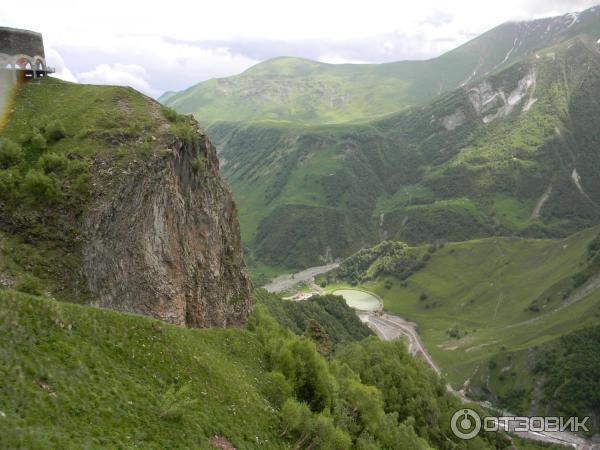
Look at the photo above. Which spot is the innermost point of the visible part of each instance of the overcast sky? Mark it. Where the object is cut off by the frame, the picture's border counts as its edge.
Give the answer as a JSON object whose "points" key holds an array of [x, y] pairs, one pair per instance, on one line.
{"points": [[171, 45]]}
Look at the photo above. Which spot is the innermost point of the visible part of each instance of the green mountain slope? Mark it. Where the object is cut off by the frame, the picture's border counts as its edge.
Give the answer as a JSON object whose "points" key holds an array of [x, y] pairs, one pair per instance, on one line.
{"points": [[76, 376], [340, 324], [299, 90], [118, 201], [497, 314], [514, 154]]}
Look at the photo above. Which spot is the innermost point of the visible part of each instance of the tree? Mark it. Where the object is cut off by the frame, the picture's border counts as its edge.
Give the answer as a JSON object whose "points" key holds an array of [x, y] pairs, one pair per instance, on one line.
{"points": [[316, 333], [40, 188], [38, 141]]}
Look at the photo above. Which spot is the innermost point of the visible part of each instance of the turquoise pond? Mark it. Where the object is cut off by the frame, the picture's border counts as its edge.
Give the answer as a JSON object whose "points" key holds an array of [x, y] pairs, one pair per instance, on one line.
{"points": [[360, 300]]}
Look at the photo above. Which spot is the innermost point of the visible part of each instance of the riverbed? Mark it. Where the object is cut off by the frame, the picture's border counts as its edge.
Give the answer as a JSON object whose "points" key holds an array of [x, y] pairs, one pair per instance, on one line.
{"points": [[285, 282]]}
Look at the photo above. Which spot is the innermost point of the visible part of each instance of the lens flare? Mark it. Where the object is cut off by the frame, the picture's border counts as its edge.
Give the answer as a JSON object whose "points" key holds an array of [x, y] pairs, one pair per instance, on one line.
{"points": [[10, 80], [22, 58]]}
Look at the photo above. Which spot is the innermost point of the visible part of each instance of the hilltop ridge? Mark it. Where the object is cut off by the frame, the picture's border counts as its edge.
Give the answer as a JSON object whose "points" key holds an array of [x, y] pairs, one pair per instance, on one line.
{"points": [[311, 92], [117, 202]]}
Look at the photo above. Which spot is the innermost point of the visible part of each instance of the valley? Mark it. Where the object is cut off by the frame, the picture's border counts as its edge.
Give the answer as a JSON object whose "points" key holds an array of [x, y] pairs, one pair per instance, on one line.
{"points": [[490, 183], [491, 312], [311, 194], [389, 327], [305, 255]]}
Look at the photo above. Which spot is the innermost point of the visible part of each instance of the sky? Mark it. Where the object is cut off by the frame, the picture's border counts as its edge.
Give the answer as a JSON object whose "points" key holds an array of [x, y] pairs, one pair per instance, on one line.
{"points": [[171, 45]]}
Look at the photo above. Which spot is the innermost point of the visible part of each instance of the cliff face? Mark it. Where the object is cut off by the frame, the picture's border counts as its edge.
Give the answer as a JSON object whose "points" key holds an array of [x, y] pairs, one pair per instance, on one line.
{"points": [[167, 243], [156, 231]]}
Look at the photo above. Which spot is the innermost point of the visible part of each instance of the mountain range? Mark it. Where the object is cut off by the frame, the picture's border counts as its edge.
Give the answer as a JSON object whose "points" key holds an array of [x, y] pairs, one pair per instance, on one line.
{"points": [[500, 140], [127, 316], [311, 92]]}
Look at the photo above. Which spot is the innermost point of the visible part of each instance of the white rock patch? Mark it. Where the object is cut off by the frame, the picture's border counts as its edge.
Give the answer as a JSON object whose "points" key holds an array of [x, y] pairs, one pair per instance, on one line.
{"points": [[577, 180], [454, 120], [484, 98], [540, 204], [529, 104]]}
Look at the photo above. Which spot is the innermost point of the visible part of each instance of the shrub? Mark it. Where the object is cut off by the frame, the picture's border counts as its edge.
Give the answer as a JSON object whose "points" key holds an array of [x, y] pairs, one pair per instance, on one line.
{"points": [[11, 153], [169, 113], [53, 163], [277, 390], [9, 183], [29, 285], [81, 185], [40, 187], [38, 141], [55, 131], [184, 132], [174, 403], [199, 164]]}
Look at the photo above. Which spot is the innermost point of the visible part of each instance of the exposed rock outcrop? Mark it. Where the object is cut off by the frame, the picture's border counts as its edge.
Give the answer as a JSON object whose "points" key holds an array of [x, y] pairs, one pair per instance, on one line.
{"points": [[165, 240], [494, 103]]}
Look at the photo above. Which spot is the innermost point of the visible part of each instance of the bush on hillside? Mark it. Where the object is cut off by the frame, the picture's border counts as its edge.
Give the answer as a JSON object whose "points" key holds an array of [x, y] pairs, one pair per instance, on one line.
{"points": [[387, 258], [54, 131], [11, 153], [37, 141], [169, 113], [40, 188], [337, 320], [9, 184], [53, 163]]}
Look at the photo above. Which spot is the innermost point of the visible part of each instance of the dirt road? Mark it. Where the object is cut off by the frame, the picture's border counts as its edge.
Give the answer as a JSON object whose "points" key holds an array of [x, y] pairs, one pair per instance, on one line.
{"points": [[285, 282], [389, 327]]}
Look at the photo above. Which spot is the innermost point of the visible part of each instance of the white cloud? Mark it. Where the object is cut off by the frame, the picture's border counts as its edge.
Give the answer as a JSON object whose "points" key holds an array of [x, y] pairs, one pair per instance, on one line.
{"points": [[55, 61], [336, 59], [131, 75], [180, 42]]}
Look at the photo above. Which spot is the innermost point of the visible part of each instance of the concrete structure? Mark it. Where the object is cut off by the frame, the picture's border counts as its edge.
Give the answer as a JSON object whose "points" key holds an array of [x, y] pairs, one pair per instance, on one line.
{"points": [[23, 51]]}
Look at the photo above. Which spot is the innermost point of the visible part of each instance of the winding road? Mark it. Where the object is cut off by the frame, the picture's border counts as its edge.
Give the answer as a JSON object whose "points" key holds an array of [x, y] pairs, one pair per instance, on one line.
{"points": [[389, 327], [285, 282]]}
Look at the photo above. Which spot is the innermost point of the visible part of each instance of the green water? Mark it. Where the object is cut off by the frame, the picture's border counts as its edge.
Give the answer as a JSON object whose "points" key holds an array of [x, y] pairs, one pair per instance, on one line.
{"points": [[359, 299]]}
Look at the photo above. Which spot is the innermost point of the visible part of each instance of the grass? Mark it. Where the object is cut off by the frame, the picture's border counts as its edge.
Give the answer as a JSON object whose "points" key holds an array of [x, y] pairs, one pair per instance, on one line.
{"points": [[59, 154], [107, 109], [406, 196], [76, 377], [483, 288], [81, 377], [512, 212], [431, 184], [303, 91]]}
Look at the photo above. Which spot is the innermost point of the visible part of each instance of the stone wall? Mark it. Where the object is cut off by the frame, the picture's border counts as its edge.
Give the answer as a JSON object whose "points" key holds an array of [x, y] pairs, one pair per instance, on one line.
{"points": [[21, 42]]}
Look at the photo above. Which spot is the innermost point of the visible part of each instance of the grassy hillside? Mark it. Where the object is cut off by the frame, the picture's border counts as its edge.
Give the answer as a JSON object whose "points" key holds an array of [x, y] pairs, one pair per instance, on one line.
{"points": [[484, 303], [76, 376], [512, 155], [299, 90], [49, 147], [83, 377], [339, 323]]}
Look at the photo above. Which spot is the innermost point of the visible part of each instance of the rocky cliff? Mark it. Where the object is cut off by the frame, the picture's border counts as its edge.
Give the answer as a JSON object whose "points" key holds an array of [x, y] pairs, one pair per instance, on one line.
{"points": [[167, 242], [156, 230]]}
